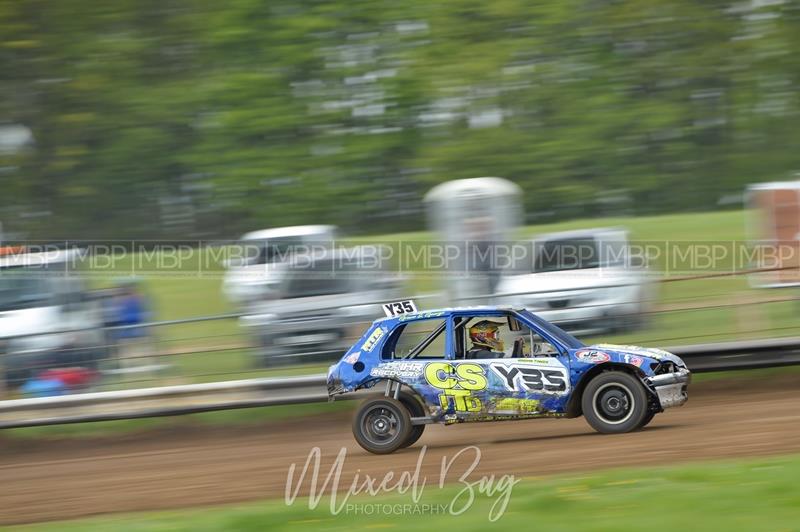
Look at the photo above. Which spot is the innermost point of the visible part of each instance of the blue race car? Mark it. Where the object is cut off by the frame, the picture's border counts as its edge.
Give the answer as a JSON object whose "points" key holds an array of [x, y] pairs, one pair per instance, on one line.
{"points": [[496, 363]]}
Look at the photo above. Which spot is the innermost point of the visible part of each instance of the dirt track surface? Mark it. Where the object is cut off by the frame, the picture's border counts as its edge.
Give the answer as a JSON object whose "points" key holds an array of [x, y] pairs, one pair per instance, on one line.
{"points": [[185, 466]]}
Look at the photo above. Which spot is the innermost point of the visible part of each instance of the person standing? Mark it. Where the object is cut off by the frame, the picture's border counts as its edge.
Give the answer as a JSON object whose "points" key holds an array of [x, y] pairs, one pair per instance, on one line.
{"points": [[131, 311]]}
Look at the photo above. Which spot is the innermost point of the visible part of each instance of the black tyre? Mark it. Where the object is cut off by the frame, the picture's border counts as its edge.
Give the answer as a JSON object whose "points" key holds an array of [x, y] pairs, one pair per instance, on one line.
{"points": [[647, 419], [381, 426], [415, 410], [614, 402]]}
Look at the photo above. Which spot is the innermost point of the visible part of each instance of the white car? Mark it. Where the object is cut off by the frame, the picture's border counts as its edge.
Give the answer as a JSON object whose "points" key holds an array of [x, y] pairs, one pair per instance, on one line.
{"points": [[258, 263], [44, 309], [585, 281]]}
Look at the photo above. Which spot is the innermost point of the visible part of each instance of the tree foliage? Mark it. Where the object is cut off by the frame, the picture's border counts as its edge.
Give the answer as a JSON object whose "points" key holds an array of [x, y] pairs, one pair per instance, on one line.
{"points": [[182, 118]]}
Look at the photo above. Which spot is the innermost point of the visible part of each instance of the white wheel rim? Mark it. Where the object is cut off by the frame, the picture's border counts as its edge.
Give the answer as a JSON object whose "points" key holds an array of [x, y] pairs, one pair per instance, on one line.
{"points": [[625, 390]]}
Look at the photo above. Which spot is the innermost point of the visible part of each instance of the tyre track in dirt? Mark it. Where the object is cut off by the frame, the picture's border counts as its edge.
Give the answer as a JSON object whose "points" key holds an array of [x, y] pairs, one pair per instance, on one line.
{"points": [[190, 465]]}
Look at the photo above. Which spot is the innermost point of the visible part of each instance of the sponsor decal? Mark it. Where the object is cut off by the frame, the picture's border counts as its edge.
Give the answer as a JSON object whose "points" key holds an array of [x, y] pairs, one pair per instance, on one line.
{"points": [[457, 382], [516, 406], [352, 358], [540, 361], [633, 359], [374, 338], [651, 352], [523, 415], [523, 377], [592, 356], [421, 315], [399, 370]]}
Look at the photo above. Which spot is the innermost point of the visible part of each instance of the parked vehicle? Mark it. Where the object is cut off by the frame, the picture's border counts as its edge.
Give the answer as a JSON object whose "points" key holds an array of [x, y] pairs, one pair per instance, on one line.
{"points": [[47, 317], [321, 305], [585, 281], [257, 270], [495, 363]]}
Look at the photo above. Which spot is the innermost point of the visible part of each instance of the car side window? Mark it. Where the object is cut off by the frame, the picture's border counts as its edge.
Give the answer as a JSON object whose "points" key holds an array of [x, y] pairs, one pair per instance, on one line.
{"points": [[539, 346], [482, 337], [418, 339], [517, 341]]}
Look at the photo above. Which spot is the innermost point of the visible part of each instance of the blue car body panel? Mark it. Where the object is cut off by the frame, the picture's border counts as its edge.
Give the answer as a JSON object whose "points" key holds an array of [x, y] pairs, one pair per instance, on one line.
{"points": [[487, 389]]}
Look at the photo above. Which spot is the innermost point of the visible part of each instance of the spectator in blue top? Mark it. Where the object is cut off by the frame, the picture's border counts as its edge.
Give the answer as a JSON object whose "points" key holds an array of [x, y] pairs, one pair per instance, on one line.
{"points": [[131, 310]]}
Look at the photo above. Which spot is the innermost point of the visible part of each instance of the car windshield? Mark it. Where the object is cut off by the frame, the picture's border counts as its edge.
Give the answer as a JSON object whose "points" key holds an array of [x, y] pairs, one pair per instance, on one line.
{"points": [[277, 249], [566, 254], [20, 292], [321, 278], [556, 332]]}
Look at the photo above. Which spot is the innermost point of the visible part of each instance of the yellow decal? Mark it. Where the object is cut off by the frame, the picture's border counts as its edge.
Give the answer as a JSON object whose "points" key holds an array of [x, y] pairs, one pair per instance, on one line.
{"points": [[519, 406], [457, 382], [436, 375], [472, 375], [372, 341], [462, 401]]}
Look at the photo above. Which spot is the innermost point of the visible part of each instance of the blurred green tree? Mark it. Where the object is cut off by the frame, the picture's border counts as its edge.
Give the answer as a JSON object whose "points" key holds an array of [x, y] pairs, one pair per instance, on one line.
{"points": [[175, 118]]}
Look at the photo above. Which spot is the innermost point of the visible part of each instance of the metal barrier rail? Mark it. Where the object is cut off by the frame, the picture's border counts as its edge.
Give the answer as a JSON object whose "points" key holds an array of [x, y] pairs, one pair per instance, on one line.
{"points": [[726, 356], [162, 401], [249, 393]]}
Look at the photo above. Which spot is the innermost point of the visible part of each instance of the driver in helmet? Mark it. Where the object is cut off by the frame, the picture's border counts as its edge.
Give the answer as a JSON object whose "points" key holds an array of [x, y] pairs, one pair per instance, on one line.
{"points": [[486, 342]]}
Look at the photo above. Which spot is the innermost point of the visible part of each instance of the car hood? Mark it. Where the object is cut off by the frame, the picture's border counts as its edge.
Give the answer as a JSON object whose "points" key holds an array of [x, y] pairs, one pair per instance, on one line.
{"points": [[635, 350]]}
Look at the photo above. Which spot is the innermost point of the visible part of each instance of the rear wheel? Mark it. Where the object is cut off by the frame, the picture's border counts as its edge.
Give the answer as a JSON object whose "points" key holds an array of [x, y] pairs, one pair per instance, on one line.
{"points": [[381, 426], [615, 402]]}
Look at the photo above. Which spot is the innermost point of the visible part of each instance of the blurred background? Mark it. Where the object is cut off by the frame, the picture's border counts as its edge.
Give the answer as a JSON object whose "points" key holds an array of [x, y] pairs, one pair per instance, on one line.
{"points": [[177, 119], [198, 191], [196, 194]]}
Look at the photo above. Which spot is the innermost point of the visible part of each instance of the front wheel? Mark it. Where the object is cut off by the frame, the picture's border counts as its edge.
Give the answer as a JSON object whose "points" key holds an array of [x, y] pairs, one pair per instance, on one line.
{"points": [[614, 402], [647, 419], [381, 426]]}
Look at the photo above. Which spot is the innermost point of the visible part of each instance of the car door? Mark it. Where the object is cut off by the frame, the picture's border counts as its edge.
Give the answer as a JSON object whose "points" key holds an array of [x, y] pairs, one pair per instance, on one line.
{"points": [[519, 380]]}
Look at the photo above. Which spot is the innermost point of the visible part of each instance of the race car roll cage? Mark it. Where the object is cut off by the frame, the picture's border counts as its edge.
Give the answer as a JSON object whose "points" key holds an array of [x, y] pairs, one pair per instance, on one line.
{"points": [[452, 330], [448, 326]]}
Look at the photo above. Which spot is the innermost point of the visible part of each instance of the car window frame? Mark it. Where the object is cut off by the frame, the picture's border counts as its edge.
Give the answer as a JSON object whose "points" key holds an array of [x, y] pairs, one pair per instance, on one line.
{"points": [[398, 331], [561, 350], [507, 316]]}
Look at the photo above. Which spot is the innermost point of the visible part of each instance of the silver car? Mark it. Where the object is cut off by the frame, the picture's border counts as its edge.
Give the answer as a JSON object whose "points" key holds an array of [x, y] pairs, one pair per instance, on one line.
{"points": [[321, 305], [586, 281]]}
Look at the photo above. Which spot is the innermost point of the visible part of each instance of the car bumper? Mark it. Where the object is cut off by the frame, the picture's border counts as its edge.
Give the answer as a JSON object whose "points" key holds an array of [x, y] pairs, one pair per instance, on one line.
{"points": [[334, 383], [671, 388]]}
